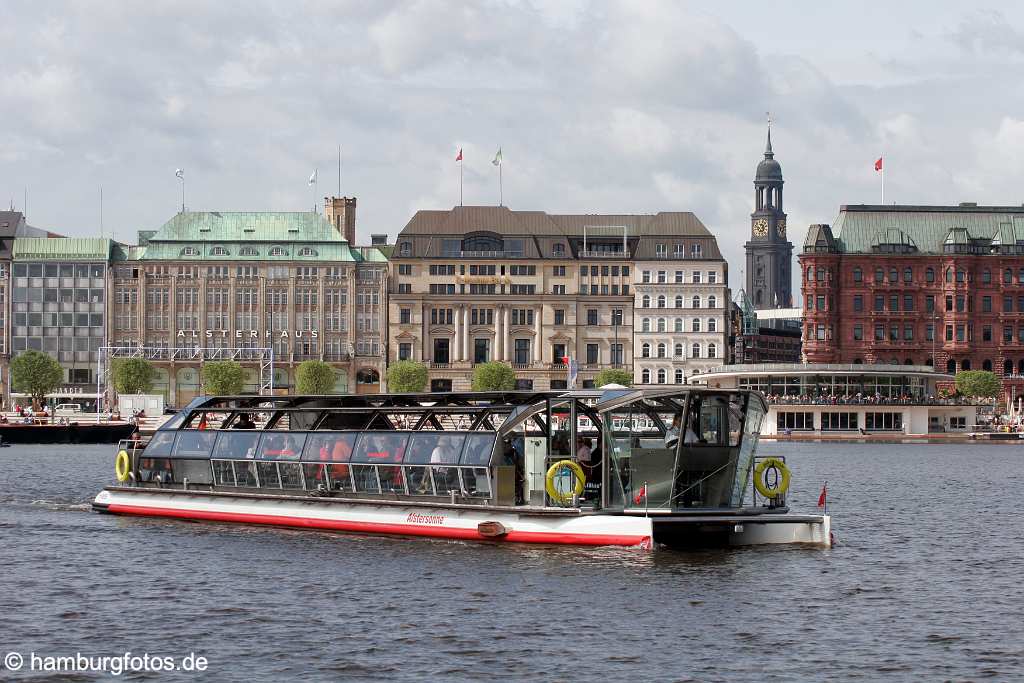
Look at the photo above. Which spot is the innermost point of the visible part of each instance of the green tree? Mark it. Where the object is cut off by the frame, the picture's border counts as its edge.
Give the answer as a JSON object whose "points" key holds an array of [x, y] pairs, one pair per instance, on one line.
{"points": [[223, 378], [493, 376], [978, 383], [613, 376], [407, 376], [315, 377], [133, 375], [36, 374]]}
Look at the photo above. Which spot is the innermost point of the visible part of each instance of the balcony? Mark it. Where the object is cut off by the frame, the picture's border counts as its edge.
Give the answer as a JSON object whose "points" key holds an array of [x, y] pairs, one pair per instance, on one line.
{"points": [[605, 255]]}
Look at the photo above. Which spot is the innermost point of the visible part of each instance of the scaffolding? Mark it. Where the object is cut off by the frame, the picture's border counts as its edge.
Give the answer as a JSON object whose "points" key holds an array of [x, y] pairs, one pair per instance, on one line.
{"points": [[263, 355]]}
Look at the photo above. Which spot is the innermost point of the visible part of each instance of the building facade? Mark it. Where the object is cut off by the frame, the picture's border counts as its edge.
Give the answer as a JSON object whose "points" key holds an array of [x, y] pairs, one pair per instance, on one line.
{"points": [[924, 285], [250, 286], [769, 279], [680, 302], [765, 336]]}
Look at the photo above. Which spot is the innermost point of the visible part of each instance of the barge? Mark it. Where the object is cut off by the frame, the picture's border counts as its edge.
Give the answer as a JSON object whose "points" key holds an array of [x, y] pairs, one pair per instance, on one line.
{"points": [[621, 467]]}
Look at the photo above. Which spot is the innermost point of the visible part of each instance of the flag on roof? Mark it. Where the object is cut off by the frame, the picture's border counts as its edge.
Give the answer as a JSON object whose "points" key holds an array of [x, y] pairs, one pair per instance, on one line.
{"points": [[878, 164], [312, 178], [179, 173], [497, 158], [459, 158]]}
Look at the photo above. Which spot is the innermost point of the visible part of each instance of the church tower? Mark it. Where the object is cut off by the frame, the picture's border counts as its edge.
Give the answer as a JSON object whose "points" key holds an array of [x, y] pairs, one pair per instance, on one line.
{"points": [[769, 252]]}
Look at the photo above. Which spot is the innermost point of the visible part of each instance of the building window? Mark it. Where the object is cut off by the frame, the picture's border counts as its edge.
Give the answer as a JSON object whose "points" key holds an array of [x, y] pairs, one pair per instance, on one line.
{"points": [[679, 277], [712, 277], [679, 376], [929, 274], [559, 316], [712, 301], [858, 274], [695, 251], [616, 354], [248, 251], [277, 251], [712, 351], [219, 251], [678, 326], [308, 251], [592, 316], [645, 376], [695, 325], [661, 301], [858, 332], [679, 350], [662, 350], [662, 376], [879, 276], [986, 276], [405, 249], [645, 350], [405, 316], [190, 251], [661, 325], [929, 303], [645, 301], [645, 325], [696, 301], [592, 358], [695, 277], [522, 351], [858, 303], [712, 325], [405, 351]]}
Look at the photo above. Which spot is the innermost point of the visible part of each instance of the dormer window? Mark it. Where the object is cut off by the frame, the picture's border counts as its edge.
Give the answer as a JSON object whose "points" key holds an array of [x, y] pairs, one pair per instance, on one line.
{"points": [[558, 249], [307, 251], [219, 251], [405, 249], [248, 251], [278, 251], [190, 251]]}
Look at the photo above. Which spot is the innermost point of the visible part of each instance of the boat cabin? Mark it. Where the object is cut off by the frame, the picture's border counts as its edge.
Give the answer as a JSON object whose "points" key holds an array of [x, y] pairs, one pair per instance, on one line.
{"points": [[640, 451]]}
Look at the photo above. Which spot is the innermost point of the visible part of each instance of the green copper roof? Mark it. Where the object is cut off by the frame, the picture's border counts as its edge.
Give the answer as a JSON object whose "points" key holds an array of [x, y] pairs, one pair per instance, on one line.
{"points": [[61, 248], [247, 236], [859, 228]]}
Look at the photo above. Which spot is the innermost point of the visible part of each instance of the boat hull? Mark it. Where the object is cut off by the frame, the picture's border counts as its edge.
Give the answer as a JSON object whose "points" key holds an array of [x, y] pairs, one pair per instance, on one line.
{"points": [[469, 523], [74, 433]]}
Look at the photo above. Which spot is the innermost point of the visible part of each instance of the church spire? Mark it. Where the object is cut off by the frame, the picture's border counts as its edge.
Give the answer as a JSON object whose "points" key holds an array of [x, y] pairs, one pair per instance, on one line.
{"points": [[768, 154]]}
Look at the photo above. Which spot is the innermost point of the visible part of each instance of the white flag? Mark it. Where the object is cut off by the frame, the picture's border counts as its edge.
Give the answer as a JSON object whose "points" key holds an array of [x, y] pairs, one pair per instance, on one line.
{"points": [[180, 173], [497, 158], [312, 178]]}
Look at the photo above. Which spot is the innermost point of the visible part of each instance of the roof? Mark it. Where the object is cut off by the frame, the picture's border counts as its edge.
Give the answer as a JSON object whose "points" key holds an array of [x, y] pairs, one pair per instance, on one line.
{"points": [[249, 235], [758, 369], [926, 229], [60, 248], [769, 169]]}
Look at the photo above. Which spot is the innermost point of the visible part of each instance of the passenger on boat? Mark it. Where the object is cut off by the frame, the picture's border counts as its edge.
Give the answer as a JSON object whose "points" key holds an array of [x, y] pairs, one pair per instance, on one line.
{"points": [[672, 435], [281, 446], [244, 421], [444, 453]]}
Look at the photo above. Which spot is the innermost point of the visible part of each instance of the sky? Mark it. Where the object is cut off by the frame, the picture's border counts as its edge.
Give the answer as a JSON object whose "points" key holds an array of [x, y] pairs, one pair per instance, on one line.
{"points": [[598, 107]]}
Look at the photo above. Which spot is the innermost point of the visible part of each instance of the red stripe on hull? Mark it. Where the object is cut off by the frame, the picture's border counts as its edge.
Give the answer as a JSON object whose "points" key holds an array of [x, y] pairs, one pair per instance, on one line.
{"points": [[383, 528]]}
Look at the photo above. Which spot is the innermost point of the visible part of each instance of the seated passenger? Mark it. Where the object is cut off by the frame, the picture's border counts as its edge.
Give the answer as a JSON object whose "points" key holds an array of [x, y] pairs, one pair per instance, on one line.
{"points": [[244, 421], [672, 435]]}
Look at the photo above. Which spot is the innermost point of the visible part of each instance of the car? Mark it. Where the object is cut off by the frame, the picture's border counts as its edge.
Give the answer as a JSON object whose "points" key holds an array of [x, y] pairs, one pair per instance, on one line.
{"points": [[68, 408]]}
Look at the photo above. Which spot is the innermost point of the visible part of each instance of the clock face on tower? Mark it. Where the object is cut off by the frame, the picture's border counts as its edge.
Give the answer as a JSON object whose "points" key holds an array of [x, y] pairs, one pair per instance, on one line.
{"points": [[780, 227], [761, 227]]}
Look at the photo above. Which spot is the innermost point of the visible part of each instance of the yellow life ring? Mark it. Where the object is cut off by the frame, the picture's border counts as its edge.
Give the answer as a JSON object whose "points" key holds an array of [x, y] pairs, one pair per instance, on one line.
{"points": [[554, 470], [759, 483], [122, 465]]}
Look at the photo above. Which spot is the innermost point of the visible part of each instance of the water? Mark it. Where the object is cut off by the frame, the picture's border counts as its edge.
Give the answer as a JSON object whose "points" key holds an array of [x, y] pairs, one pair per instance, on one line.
{"points": [[924, 584]]}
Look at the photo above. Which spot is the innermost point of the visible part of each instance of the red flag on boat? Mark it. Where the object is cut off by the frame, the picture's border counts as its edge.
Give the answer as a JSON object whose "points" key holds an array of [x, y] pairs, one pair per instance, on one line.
{"points": [[640, 495], [202, 422], [824, 495]]}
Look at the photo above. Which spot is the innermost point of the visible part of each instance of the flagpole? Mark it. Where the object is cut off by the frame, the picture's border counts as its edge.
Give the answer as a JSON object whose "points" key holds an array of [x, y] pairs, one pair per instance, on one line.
{"points": [[183, 193], [339, 170], [460, 179], [882, 173], [501, 190]]}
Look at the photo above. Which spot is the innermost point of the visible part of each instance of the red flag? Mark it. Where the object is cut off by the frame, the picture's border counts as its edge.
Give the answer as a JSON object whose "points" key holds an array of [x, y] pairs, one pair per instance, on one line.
{"points": [[878, 164], [824, 495], [459, 158], [202, 422], [640, 495]]}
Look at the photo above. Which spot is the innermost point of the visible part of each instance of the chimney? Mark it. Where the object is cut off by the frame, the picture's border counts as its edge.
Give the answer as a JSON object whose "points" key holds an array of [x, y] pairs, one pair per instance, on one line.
{"points": [[378, 240], [341, 213]]}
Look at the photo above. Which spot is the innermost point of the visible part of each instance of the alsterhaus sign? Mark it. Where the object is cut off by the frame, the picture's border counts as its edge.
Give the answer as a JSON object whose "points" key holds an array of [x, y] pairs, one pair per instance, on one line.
{"points": [[247, 334]]}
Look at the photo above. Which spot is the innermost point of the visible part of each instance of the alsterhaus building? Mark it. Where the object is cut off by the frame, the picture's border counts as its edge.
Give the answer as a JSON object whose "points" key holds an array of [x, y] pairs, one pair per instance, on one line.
{"points": [[248, 286]]}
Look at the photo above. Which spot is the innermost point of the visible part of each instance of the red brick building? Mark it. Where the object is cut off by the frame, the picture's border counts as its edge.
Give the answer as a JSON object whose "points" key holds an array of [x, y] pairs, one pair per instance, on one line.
{"points": [[917, 285]]}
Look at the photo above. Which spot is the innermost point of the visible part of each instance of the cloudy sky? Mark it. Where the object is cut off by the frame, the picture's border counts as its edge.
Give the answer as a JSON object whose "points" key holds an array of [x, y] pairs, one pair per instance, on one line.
{"points": [[598, 106]]}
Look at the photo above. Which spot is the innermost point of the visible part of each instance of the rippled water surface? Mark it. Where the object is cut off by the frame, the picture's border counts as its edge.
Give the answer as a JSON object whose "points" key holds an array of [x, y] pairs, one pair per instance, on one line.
{"points": [[924, 584]]}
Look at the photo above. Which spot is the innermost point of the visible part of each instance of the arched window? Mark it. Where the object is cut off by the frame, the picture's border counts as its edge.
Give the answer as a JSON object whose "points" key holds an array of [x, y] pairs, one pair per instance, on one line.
{"points": [[965, 364], [961, 276], [662, 351], [248, 251], [712, 351], [278, 251], [190, 251], [645, 302], [951, 366], [482, 241], [679, 325], [679, 301], [219, 251], [986, 276], [712, 301], [1008, 367], [662, 377], [858, 274], [645, 350], [645, 376], [949, 274], [679, 350], [645, 325], [1007, 276], [695, 325], [986, 365], [307, 251], [712, 325], [810, 274], [929, 274], [819, 275], [661, 324], [661, 301], [695, 351], [696, 301], [894, 275], [1020, 276], [908, 274], [679, 375], [879, 275]]}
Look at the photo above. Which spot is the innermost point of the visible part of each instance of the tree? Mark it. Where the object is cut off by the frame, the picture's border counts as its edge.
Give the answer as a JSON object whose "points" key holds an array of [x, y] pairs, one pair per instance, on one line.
{"points": [[36, 374], [133, 375], [315, 377], [223, 378], [978, 383], [613, 376], [407, 376], [493, 376]]}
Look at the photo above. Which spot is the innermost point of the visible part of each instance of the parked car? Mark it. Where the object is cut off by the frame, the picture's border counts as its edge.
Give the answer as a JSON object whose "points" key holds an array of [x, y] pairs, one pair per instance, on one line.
{"points": [[68, 408]]}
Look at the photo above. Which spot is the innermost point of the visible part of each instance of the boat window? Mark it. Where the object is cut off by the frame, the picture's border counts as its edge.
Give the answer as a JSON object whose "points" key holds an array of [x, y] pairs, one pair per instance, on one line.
{"points": [[365, 478], [380, 447], [224, 473], [327, 446], [194, 444], [208, 419], [196, 471], [153, 469], [478, 449], [435, 448], [281, 445], [751, 432], [160, 445], [236, 445]]}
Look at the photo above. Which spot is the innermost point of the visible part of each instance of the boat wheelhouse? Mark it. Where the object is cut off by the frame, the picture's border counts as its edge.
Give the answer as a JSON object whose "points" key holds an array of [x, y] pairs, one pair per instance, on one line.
{"points": [[614, 467]]}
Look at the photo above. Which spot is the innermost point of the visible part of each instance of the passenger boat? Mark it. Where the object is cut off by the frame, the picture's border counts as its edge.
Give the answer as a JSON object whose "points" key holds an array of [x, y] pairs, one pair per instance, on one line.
{"points": [[623, 467]]}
